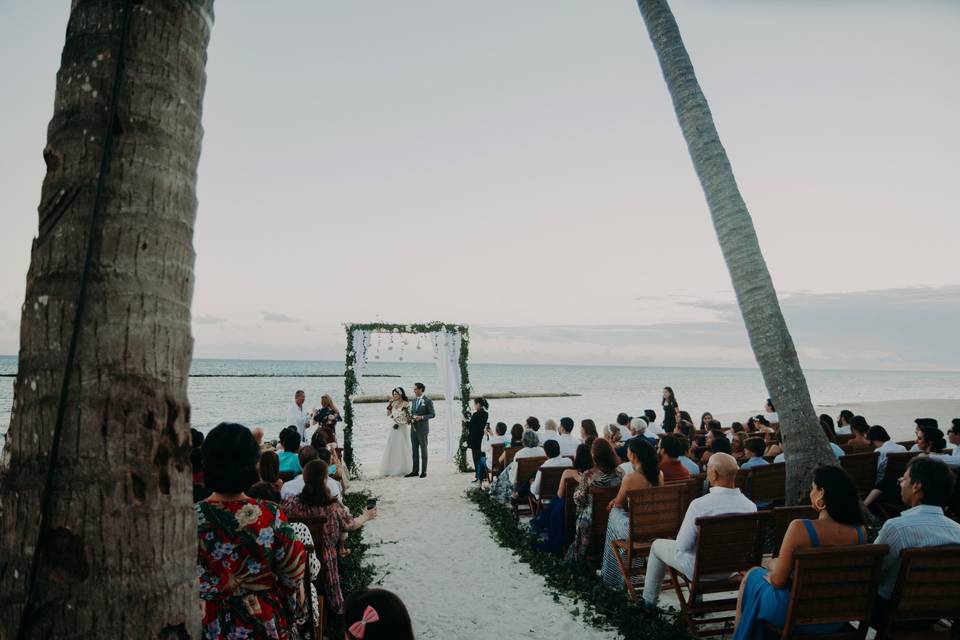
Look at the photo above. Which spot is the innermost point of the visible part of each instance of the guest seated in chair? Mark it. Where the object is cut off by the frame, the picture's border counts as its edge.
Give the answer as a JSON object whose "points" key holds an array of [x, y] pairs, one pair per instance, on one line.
{"points": [[671, 449], [646, 474], [504, 486], [548, 525], [724, 498], [765, 594], [290, 441], [554, 460], [568, 444], [605, 473], [754, 448]]}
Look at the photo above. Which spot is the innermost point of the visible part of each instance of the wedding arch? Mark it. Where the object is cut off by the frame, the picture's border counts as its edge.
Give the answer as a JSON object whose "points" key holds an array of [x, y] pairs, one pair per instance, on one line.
{"points": [[450, 350]]}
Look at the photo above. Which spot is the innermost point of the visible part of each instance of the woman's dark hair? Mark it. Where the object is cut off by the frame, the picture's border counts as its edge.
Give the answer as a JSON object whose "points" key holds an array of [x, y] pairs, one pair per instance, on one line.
{"points": [[399, 390], [533, 423], [516, 435], [196, 438], [737, 427], [762, 421], [321, 438], [934, 437], [672, 397], [393, 621], [419, 385], [583, 460], [482, 402], [588, 428], [501, 428], [686, 416], [935, 478], [551, 448], [955, 425], [264, 491], [685, 429], [839, 494], [859, 424], [878, 433], [751, 424], [647, 455], [566, 424], [290, 439], [828, 431], [720, 444], [315, 492], [230, 455], [714, 425], [772, 408], [650, 415], [269, 466], [846, 415], [756, 446], [196, 460], [703, 420], [604, 457], [201, 493]]}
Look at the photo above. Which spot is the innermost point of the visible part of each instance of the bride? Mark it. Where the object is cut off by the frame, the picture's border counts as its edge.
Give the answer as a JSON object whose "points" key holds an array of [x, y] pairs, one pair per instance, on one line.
{"points": [[398, 457]]}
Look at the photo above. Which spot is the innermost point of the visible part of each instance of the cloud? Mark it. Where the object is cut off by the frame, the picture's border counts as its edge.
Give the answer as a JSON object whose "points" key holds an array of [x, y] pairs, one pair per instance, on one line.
{"points": [[208, 319], [906, 328], [269, 316]]}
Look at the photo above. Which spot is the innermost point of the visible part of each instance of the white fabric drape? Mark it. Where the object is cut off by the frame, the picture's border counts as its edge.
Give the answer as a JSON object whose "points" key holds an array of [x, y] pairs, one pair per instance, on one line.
{"points": [[361, 344], [446, 348]]}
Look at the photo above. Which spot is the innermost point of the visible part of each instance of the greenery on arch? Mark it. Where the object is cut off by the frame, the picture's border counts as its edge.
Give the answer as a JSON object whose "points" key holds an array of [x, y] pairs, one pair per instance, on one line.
{"points": [[350, 380]]}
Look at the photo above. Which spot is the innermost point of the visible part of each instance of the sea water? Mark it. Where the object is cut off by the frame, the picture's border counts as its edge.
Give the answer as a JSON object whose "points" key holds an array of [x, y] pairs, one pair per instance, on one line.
{"points": [[259, 392]]}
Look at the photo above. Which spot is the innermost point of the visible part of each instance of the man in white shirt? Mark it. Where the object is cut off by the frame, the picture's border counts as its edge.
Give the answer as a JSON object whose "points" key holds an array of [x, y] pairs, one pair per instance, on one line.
{"points": [[554, 459], [843, 423], [297, 415], [568, 444], [879, 438], [549, 431], [623, 422], [724, 499]]}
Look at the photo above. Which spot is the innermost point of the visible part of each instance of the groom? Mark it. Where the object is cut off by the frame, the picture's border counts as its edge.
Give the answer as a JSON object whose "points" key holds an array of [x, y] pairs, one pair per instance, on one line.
{"points": [[422, 411]]}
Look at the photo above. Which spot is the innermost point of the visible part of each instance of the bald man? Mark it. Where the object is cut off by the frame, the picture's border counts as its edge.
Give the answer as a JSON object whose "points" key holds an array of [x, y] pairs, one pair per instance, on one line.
{"points": [[723, 499]]}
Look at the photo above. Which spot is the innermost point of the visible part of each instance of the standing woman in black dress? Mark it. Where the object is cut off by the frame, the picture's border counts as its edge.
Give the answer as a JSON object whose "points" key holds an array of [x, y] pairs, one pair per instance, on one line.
{"points": [[669, 404], [475, 431]]}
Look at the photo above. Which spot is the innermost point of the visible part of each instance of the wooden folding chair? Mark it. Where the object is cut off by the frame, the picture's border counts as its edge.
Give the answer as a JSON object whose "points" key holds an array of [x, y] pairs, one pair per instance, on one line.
{"points": [[317, 623], [908, 444], [569, 511], [600, 497], [768, 484], [783, 516], [496, 450], [549, 485], [526, 469], [654, 513], [862, 467], [843, 438], [927, 591], [511, 454], [833, 585], [726, 545]]}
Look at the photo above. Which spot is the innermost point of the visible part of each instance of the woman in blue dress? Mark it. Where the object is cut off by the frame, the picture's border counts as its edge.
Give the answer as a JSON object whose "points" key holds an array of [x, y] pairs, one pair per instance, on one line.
{"points": [[765, 594]]}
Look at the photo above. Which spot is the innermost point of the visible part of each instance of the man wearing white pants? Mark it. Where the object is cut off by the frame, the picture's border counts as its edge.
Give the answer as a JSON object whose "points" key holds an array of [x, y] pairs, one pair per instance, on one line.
{"points": [[723, 499]]}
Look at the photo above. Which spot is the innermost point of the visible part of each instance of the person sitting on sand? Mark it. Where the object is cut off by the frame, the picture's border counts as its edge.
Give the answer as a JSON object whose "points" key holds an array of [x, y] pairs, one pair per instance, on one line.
{"points": [[604, 473], [646, 474]]}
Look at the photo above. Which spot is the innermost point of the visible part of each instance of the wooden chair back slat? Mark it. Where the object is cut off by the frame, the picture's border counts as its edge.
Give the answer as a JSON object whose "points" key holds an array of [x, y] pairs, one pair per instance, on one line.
{"points": [[897, 464], [927, 587], [862, 467], [768, 483], [600, 497], [657, 512], [843, 438], [550, 482], [907, 443], [783, 516], [569, 510], [833, 585], [527, 468], [743, 476], [511, 454], [729, 543], [496, 450]]}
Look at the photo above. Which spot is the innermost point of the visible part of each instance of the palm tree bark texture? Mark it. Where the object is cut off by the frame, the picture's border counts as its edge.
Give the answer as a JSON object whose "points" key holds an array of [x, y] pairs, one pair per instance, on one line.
{"points": [[804, 441], [120, 554]]}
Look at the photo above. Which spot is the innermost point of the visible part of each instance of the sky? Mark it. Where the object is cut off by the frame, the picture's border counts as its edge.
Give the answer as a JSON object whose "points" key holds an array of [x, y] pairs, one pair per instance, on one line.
{"points": [[517, 166]]}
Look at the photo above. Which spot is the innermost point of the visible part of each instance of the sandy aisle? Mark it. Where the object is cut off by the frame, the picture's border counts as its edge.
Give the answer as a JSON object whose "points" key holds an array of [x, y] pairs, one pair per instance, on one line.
{"points": [[431, 547]]}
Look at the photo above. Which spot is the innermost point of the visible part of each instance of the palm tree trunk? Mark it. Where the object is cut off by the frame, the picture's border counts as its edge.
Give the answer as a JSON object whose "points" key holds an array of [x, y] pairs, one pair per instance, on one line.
{"points": [[120, 553], [769, 337]]}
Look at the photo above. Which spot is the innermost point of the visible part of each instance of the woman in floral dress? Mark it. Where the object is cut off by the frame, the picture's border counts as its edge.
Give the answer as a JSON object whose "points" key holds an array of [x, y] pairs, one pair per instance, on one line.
{"points": [[315, 500], [605, 473], [249, 562]]}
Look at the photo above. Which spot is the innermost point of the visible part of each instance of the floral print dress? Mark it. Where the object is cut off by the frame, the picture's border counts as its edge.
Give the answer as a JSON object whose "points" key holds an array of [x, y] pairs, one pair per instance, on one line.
{"points": [[337, 523], [249, 565], [577, 551]]}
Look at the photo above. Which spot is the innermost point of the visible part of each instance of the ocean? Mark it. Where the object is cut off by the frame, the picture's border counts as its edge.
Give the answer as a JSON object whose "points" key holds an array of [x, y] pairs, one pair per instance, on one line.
{"points": [[258, 392]]}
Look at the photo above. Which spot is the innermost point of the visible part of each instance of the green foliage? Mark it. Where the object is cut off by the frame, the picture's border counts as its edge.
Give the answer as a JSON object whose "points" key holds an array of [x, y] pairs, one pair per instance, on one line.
{"points": [[355, 574], [350, 382], [600, 605]]}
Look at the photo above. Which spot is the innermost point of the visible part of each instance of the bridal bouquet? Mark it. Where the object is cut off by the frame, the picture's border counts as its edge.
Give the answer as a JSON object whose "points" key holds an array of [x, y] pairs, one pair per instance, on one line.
{"points": [[400, 415]]}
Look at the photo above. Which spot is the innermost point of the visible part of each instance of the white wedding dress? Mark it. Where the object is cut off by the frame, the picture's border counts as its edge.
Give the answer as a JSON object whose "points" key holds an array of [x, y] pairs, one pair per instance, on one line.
{"points": [[398, 455]]}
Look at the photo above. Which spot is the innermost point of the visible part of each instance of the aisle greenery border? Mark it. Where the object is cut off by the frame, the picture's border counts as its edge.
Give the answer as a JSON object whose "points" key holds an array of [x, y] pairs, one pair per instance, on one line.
{"points": [[350, 381], [355, 573], [600, 605]]}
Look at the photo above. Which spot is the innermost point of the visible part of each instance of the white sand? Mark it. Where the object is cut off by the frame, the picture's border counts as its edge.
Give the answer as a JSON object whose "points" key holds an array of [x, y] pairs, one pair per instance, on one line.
{"points": [[432, 547]]}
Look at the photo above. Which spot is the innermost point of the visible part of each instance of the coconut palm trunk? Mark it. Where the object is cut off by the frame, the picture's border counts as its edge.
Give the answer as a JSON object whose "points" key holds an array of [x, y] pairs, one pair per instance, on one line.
{"points": [[119, 554], [804, 441]]}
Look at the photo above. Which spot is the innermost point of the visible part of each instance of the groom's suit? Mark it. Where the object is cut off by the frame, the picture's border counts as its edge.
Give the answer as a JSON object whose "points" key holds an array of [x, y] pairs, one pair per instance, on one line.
{"points": [[419, 430]]}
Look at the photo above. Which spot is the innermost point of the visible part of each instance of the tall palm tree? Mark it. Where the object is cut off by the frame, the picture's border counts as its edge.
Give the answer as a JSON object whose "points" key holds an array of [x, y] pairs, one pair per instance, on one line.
{"points": [[118, 554], [769, 337]]}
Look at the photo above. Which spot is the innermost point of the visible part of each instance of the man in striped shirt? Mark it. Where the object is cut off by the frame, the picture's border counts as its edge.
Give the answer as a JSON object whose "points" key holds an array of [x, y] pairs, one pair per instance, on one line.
{"points": [[925, 487]]}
